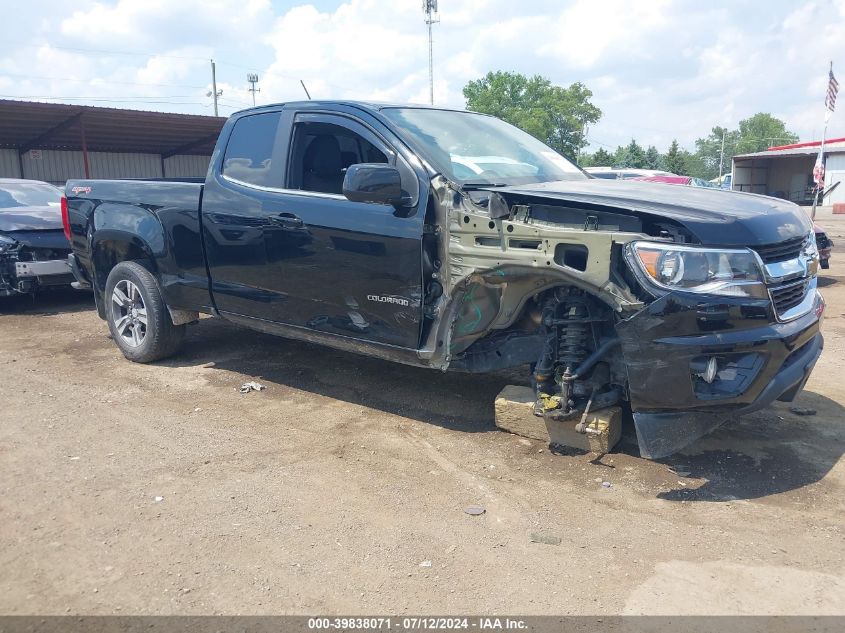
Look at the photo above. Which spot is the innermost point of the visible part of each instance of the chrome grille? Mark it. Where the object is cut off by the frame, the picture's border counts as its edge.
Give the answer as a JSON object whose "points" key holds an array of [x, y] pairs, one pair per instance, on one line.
{"points": [[790, 276], [782, 251], [787, 296]]}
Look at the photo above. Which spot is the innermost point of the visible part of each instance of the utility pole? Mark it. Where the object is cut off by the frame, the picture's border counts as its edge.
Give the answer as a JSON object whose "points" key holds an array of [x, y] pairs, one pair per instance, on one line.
{"points": [[430, 9], [583, 138], [252, 78], [722, 156], [214, 91]]}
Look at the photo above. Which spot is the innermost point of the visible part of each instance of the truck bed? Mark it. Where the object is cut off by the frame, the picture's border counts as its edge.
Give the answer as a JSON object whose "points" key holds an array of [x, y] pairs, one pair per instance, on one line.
{"points": [[159, 219]]}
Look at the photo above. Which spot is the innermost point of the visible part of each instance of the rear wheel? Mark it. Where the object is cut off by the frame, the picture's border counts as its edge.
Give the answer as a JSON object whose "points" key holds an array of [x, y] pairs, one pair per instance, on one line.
{"points": [[138, 318]]}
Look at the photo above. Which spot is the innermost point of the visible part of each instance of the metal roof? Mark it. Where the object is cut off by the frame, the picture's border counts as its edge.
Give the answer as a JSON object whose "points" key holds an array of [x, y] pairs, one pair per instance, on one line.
{"points": [[815, 144], [802, 149], [26, 125]]}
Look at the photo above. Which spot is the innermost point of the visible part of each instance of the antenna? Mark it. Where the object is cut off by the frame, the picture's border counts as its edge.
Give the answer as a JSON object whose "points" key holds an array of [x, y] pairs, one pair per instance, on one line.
{"points": [[252, 78], [431, 17], [307, 94]]}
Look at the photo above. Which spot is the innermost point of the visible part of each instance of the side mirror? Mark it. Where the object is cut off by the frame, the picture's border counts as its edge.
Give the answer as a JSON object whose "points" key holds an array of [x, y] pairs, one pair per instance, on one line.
{"points": [[373, 182]]}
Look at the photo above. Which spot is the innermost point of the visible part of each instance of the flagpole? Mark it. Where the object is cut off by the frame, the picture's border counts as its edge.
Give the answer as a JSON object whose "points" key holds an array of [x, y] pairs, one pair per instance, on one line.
{"points": [[820, 186]]}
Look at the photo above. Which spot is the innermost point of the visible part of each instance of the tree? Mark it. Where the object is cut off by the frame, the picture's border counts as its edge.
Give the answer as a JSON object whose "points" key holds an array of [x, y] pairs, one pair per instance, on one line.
{"points": [[602, 158], [585, 160], [762, 131], [674, 160], [755, 134], [632, 156], [694, 166], [708, 151], [653, 159], [556, 115]]}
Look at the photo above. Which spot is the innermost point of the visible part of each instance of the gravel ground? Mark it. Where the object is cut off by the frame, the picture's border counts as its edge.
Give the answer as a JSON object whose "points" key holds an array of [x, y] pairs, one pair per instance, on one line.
{"points": [[341, 487]]}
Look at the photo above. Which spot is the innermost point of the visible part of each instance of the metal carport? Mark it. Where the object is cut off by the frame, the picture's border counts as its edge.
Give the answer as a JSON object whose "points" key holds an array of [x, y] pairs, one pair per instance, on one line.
{"points": [[787, 171], [55, 142]]}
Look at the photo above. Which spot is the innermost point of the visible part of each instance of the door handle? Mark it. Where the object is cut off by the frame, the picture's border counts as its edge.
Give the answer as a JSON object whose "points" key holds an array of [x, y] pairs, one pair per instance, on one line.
{"points": [[287, 220]]}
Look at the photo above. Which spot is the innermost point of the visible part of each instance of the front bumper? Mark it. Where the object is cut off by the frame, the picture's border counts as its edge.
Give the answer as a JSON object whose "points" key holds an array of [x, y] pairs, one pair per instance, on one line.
{"points": [[18, 277], [41, 270], [758, 361]]}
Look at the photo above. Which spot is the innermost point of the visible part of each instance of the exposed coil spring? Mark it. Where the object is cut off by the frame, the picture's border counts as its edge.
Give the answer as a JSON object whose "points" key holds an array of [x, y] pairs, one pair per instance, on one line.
{"points": [[572, 336]]}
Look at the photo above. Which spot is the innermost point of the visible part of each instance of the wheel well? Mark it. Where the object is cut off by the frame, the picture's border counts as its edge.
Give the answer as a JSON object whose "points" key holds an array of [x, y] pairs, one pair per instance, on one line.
{"points": [[522, 341], [108, 254]]}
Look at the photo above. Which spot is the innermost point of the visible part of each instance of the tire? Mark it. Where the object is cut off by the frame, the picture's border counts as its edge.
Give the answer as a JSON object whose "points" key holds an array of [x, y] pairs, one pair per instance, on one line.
{"points": [[137, 315]]}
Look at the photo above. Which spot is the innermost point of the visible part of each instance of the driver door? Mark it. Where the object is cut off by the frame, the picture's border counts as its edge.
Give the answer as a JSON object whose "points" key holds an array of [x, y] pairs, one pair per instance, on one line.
{"points": [[348, 268]]}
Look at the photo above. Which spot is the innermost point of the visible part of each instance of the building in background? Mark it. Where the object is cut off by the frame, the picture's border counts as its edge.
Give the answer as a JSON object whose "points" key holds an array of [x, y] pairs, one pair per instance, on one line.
{"points": [[56, 142], [786, 171]]}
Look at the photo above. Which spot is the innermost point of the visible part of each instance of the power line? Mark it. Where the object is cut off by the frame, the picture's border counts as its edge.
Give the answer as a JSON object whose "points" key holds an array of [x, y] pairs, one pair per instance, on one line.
{"points": [[109, 81], [592, 140], [95, 52], [240, 103], [290, 77], [100, 52], [221, 105], [99, 99]]}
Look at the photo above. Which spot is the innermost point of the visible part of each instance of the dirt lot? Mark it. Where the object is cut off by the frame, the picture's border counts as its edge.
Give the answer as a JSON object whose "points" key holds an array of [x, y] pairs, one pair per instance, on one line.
{"points": [[335, 488]]}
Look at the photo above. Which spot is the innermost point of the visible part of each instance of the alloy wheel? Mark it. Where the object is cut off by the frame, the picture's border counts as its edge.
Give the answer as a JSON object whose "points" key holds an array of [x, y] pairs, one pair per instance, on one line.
{"points": [[129, 313]]}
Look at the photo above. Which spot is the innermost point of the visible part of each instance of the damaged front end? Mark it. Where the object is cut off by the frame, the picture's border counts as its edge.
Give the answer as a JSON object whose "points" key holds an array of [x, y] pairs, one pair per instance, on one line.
{"points": [[614, 303], [30, 260], [578, 369], [692, 365]]}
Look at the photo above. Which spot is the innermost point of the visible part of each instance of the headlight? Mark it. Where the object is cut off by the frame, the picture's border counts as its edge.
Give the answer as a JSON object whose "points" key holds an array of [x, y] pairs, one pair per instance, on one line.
{"points": [[811, 247], [727, 272]]}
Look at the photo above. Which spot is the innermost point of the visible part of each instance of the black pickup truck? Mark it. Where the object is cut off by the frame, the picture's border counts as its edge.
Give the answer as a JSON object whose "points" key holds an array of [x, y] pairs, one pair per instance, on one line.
{"points": [[452, 240]]}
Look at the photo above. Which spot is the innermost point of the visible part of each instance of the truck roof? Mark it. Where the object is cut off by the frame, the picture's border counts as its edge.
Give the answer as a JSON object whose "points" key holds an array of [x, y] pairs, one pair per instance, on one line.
{"points": [[364, 105]]}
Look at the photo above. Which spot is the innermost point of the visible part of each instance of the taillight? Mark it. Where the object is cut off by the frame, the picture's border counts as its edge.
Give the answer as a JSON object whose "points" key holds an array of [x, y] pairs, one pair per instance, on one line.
{"points": [[65, 219]]}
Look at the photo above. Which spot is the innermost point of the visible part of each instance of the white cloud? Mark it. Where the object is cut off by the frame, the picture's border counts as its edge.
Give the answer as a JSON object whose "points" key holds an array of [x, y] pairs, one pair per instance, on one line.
{"points": [[589, 31], [659, 70]]}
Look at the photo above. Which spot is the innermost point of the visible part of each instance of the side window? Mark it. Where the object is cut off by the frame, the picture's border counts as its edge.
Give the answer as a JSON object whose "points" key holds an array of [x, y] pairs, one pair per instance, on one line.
{"points": [[250, 150], [321, 152]]}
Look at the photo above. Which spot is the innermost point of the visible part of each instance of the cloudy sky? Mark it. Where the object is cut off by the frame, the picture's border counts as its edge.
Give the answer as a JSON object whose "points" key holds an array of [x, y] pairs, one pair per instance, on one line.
{"points": [[659, 69]]}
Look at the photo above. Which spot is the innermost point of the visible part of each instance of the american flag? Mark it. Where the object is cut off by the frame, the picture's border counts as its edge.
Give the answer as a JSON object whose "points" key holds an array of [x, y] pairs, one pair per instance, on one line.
{"points": [[832, 90], [818, 170]]}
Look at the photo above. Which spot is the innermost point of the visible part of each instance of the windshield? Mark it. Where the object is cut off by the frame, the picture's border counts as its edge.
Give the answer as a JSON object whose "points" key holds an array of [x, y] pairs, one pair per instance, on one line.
{"points": [[470, 148], [29, 194]]}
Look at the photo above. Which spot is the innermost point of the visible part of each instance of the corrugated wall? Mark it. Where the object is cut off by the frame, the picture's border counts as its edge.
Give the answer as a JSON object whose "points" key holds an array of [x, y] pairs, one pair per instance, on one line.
{"points": [[107, 165], [53, 166], [835, 172], [9, 166], [58, 166], [186, 166]]}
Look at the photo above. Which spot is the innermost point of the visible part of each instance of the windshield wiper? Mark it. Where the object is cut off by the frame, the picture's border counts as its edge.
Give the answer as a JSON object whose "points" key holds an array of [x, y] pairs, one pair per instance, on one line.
{"points": [[475, 186]]}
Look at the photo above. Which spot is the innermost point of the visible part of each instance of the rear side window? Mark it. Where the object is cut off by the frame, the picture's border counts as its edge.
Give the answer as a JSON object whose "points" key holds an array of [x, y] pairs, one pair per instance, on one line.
{"points": [[249, 152]]}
